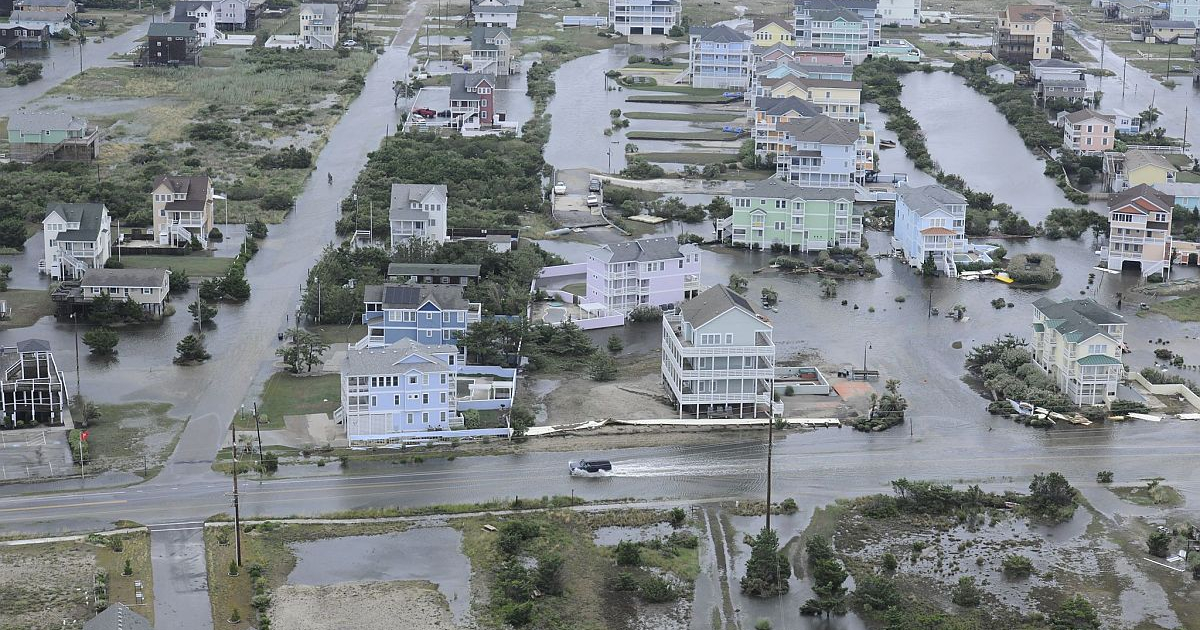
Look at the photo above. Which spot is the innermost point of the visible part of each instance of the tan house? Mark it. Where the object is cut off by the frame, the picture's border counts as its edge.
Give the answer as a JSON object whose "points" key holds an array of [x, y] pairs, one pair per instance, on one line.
{"points": [[183, 209], [1152, 169], [1025, 32], [837, 99], [1139, 230], [1172, 32], [1087, 132], [773, 30], [148, 287]]}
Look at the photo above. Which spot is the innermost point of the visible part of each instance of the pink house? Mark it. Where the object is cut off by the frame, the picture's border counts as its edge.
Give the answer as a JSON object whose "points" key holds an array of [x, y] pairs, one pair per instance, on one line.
{"points": [[1088, 133], [650, 271], [473, 98]]}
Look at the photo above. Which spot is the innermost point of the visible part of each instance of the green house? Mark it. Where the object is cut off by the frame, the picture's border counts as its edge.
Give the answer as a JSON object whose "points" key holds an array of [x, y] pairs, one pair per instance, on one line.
{"points": [[773, 211], [51, 135]]}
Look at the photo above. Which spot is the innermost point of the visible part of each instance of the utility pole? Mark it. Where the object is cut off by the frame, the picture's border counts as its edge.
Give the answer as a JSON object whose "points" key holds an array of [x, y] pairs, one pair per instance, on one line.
{"points": [[770, 447], [237, 514], [78, 387], [82, 463], [258, 430], [1124, 65], [929, 309]]}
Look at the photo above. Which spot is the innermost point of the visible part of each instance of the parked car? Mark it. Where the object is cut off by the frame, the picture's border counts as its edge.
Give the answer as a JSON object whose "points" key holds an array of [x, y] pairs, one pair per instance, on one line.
{"points": [[425, 111], [445, 113], [589, 466], [594, 186], [87, 22], [560, 188], [593, 200], [349, 43]]}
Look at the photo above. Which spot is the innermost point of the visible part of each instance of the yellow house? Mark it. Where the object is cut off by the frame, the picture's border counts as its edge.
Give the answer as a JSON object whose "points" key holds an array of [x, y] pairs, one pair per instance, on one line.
{"points": [[771, 31], [840, 100], [1152, 169]]}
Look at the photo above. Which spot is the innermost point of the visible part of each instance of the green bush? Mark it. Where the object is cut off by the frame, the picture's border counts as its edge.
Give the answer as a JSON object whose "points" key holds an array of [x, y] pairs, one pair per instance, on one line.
{"points": [[1017, 566], [628, 554]]}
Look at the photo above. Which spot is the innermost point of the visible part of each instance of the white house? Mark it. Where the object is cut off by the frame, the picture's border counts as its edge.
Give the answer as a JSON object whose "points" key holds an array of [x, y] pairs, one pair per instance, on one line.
{"points": [[1042, 69], [718, 356], [651, 271], [643, 17], [1001, 73], [418, 211], [494, 13], [1185, 11], [1078, 343], [1126, 122], [201, 14], [900, 12], [931, 221], [319, 25], [76, 237]]}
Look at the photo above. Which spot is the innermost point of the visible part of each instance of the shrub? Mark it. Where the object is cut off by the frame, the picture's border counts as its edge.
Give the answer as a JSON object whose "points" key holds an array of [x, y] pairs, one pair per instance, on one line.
{"points": [[1104, 476], [676, 516], [889, 562], [628, 554], [965, 593], [656, 590], [1017, 566], [1159, 543]]}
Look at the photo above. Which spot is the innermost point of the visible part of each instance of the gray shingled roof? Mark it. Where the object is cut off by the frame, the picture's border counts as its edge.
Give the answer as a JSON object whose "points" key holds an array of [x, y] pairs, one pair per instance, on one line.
{"points": [[1172, 24], [50, 3], [124, 278], [89, 216], [1155, 196], [1076, 320], [118, 617], [408, 296], [183, 6], [21, 15], [404, 194], [713, 301], [719, 34], [821, 128], [926, 199], [829, 15], [642, 250], [781, 106], [1055, 63], [1137, 158], [774, 188], [494, 9], [481, 34], [54, 120], [460, 80], [369, 361], [326, 11], [171, 29], [850, 5], [998, 66], [1086, 114], [1064, 83], [432, 269]]}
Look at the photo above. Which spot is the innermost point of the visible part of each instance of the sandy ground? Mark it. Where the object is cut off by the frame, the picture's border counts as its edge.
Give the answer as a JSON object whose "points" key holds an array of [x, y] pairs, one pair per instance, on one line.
{"points": [[41, 585], [393, 605]]}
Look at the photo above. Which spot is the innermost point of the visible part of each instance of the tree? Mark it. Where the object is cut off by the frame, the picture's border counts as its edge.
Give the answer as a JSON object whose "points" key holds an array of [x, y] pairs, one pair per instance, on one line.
{"points": [[257, 229], [520, 419], [719, 208], [738, 282], [211, 289], [768, 569], [548, 575], [965, 593], [202, 312], [101, 341], [1159, 543], [1076, 613], [828, 579], [628, 554], [1049, 493], [615, 344], [12, 233], [889, 563], [179, 280], [191, 349], [303, 351], [102, 310], [603, 368], [769, 296], [829, 287], [234, 284], [928, 266]]}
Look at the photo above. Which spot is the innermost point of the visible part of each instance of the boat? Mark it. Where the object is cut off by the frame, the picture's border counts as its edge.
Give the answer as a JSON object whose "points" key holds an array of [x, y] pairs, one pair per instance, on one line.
{"points": [[1080, 420], [887, 144], [1144, 416], [1004, 277], [1023, 408]]}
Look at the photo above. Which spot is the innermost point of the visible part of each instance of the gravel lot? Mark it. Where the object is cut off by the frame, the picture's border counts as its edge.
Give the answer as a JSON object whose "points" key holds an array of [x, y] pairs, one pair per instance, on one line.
{"points": [[393, 605]]}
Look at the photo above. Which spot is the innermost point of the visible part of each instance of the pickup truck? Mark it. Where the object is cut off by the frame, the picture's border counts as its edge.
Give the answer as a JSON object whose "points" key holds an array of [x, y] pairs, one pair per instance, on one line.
{"points": [[560, 188], [593, 201], [589, 466]]}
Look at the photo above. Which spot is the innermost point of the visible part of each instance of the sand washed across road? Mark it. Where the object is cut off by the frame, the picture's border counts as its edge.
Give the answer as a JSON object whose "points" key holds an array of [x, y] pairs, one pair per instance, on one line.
{"points": [[400, 605]]}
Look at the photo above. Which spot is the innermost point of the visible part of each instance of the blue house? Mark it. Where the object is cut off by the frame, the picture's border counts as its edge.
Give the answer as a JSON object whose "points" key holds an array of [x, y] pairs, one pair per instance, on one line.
{"points": [[427, 314]]}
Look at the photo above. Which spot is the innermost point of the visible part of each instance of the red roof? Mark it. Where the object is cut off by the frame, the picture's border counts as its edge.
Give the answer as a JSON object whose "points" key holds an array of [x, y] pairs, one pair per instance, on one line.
{"points": [[938, 231]]}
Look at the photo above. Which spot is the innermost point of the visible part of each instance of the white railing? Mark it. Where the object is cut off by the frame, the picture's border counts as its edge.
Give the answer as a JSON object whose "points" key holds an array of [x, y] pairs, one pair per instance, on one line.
{"points": [[698, 373]]}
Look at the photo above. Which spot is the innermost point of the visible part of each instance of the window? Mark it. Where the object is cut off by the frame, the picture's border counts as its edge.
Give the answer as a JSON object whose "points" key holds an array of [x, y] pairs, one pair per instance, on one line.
{"points": [[412, 380], [1099, 348], [425, 399], [710, 340], [410, 316], [728, 338], [396, 400]]}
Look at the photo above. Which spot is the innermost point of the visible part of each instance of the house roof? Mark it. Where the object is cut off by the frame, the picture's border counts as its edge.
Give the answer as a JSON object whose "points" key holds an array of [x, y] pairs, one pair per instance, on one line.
{"points": [[1180, 189], [809, 82], [459, 82], [711, 303], [1086, 114], [804, 69], [395, 359], [851, 5], [1055, 63], [823, 129], [432, 269], [1064, 83], [938, 231], [89, 216], [781, 106], [780, 46], [183, 6], [404, 194], [118, 617], [1184, 24], [774, 188], [494, 9], [719, 34], [641, 250], [33, 345], [924, 200], [1099, 359], [410, 296], [46, 3], [171, 29], [124, 278], [1032, 12], [481, 34], [1137, 158], [1130, 196], [21, 15], [996, 67], [1076, 320], [326, 11], [832, 14], [52, 120], [762, 23], [195, 190]]}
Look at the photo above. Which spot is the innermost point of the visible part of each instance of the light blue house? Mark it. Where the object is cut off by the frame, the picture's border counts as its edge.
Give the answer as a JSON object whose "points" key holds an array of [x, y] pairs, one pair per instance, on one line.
{"points": [[719, 57], [408, 391], [427, 314]]}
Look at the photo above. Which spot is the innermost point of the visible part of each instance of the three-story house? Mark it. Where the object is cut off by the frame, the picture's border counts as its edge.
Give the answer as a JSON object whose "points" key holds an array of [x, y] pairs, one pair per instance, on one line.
{"points": [[1078, 343], [931, 221], [76, 237], [651, 271], [427, 314]]}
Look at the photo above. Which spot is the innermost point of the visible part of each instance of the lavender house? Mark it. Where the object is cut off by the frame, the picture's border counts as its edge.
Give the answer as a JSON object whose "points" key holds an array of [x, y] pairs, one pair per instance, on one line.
{"points": [[651, 271]]}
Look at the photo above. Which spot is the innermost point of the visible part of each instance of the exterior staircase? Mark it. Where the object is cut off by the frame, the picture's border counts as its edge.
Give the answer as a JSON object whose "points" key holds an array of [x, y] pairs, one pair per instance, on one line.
{"points": [[948, 265], [72, 266]]}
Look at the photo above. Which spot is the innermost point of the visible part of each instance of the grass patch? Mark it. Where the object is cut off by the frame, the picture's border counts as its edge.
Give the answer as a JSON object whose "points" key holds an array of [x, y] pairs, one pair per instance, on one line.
{"points": [[135, 437], [681, 135], [196, 265], [459, 508], [135, 547], [288, 395], [679, 99], [44, 584], [1182, 309], [576, 288], [1152, 494], [689, 158], [700, 118], [27, 306], [337, 333]]}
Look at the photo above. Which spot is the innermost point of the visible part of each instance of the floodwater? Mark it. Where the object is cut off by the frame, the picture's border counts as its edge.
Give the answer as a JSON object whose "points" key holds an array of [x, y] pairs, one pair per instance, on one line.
{"points": [[426, 553], [965, 40]]}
